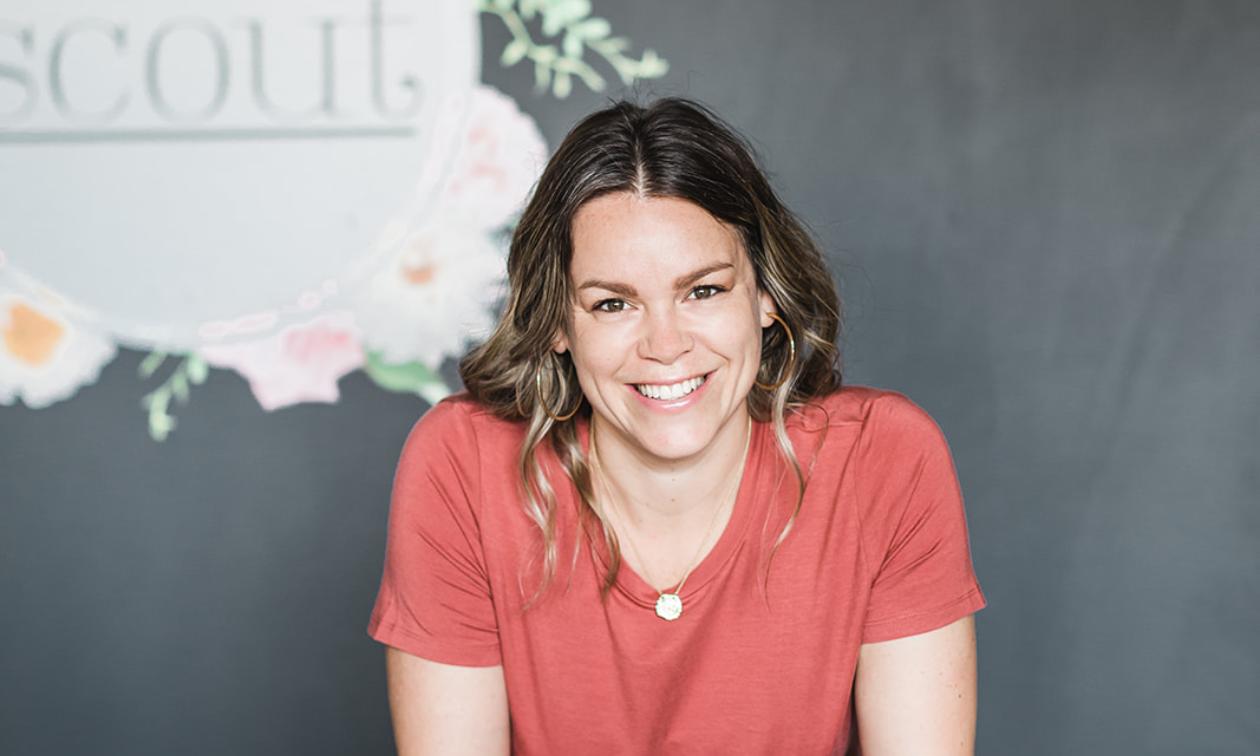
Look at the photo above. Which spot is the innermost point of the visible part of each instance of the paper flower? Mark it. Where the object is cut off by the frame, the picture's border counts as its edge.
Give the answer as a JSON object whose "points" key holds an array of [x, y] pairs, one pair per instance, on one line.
{"points": [[501, 154], [434, 297], [301, 363], [46, 352]]}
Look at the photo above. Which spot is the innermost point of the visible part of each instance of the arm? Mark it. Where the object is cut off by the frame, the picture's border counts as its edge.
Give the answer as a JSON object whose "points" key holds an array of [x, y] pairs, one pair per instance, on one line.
{"points": [[444, 709], [917, 695]]}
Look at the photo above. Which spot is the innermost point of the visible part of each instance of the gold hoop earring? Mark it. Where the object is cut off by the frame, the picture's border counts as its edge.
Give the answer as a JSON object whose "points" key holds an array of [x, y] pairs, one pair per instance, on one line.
{"points": [[543, 402], [787, 371]]}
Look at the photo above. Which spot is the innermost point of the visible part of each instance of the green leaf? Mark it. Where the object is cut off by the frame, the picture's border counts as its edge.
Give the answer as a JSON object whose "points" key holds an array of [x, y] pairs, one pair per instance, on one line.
{"points": [[552, 23], [408, 378], [651, 66], [542, 77], [197, 368], [559, 14], [614, 45], [160, 423], [179, 386], [514, 52], [562, 85], [544, 54], [151, 363], [160, 426], [576, 9], [593, 28], [592, 78], [573, 45]]}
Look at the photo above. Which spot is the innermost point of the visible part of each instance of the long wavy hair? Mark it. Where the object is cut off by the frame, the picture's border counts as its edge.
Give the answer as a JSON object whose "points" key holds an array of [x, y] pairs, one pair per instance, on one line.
{"points": [[672, 148]]}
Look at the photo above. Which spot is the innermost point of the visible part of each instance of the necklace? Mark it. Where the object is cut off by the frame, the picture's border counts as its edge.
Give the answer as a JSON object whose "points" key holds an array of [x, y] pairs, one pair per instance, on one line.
{"points": [[669, 604]]}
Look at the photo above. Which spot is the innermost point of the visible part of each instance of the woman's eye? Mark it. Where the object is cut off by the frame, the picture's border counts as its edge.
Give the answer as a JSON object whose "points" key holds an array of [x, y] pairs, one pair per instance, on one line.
{"points": [[704, 292], [610, 305]]}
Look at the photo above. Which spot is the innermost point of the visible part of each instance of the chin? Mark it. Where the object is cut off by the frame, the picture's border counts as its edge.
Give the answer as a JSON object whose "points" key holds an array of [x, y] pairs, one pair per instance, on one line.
{"points": [[677, 444]]}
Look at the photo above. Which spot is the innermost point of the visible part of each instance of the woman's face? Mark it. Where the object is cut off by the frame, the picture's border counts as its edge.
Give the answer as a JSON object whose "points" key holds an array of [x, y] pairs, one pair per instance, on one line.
{"points": [[665, 331]]}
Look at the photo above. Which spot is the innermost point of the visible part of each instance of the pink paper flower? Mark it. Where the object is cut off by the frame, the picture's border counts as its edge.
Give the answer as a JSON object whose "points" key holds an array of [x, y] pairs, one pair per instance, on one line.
{"points": [[501, 154], [301, 363]]}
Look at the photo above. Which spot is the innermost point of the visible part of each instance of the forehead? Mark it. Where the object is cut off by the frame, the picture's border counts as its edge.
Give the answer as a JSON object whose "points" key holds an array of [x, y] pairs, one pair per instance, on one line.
{"points": [[628, 235]]}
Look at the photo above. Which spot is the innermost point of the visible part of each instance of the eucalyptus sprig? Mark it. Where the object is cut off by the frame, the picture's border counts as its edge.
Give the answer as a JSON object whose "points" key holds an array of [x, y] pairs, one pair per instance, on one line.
{"points": [[191, 371], [555, 65]]}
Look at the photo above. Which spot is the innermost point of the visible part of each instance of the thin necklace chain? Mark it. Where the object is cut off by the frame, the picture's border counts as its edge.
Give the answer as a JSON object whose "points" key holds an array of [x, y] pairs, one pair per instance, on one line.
{"points": [[603, 481]]}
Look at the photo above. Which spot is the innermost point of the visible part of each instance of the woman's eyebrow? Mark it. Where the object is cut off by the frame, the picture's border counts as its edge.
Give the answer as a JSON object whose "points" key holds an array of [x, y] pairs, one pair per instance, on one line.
{"points": [[686, 280], [620, 289]]}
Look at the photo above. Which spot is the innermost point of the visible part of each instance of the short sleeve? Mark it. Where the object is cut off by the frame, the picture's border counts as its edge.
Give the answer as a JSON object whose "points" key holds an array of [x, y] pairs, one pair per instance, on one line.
{"points": [[435, 600], [914, 527]]}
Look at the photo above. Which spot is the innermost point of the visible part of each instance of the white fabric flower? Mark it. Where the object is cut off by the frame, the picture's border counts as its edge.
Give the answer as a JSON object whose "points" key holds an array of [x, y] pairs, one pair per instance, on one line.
{"points": [[48, 347], [434, 297]]}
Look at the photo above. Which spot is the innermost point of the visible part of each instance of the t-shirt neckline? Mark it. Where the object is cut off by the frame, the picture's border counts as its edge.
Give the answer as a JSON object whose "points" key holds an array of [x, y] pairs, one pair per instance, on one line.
{"points": [[633, 587]]}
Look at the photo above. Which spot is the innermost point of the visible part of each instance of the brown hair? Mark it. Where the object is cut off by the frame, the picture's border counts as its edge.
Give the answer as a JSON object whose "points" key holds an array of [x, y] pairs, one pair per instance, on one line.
{"points": [[672, 148]]}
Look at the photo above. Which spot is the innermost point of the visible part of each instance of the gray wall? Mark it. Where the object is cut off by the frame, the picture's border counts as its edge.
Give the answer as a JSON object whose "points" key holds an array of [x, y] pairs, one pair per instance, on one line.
{"points": [[1044, 217]]}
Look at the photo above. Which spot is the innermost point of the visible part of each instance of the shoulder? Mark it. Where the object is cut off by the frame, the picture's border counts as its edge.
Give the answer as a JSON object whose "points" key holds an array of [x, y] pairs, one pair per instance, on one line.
{"points": [[872, 413], [463, 427], [873, 434], [457, 454], [460, 418]]}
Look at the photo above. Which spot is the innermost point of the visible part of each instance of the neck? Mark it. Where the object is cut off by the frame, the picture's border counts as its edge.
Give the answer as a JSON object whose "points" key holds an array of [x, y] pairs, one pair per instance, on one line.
{"points": [[658, 493]]}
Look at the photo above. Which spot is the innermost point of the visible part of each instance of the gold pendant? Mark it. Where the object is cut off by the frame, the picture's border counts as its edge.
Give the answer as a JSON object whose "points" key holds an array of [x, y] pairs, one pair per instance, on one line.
{"points": [[669, 606]]}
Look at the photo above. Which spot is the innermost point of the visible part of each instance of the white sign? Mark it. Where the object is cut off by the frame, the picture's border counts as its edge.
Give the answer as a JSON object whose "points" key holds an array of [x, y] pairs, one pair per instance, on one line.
{"points": [[193, 171]]}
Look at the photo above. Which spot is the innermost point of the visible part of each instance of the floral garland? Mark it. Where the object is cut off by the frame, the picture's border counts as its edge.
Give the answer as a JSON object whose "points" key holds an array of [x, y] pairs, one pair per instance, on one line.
{"points": [[417, 310]]}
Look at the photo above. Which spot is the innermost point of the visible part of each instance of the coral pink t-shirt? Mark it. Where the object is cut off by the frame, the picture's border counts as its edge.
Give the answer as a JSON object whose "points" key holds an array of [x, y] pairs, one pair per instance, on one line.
{"points": [[760, 662]]}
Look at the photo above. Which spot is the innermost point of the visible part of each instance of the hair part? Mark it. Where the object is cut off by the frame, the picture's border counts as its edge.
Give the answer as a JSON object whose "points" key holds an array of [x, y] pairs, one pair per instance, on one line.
{"points": [[672, 148]]}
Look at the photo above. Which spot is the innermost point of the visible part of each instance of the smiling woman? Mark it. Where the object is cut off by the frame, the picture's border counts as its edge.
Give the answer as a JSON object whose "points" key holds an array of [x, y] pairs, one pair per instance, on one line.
{"points": [[666, 326], [664, 376]]}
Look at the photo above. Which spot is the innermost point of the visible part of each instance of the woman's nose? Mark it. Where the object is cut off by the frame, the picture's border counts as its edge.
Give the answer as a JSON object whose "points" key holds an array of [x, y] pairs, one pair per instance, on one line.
{"points": [[665, 338]]}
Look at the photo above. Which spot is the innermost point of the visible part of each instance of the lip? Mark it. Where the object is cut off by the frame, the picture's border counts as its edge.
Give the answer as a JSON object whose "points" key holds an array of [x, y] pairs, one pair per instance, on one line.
{"points": [[674, 404]]}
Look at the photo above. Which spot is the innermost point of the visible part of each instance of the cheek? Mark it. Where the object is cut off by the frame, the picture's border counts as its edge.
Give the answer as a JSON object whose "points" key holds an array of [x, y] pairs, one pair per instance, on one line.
{"points": [[754, 351], [594, 353], [742, 333]]}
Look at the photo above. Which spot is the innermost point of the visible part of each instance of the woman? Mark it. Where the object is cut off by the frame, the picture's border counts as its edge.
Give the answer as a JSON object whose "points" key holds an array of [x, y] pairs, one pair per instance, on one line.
{"points": [[656, 523]]}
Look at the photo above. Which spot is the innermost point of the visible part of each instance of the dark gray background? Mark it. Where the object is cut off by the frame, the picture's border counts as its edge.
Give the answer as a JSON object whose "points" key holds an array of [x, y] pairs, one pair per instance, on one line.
{"points": [[1044, 216]]}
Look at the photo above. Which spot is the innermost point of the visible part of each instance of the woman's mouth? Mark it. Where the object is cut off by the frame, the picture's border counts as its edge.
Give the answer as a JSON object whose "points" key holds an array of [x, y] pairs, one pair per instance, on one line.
{"points": [[672, 391]]}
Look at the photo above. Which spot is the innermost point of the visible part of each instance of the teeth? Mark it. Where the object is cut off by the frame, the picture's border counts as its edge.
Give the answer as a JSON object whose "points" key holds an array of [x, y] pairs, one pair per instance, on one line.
{"points": [[669, 393]]}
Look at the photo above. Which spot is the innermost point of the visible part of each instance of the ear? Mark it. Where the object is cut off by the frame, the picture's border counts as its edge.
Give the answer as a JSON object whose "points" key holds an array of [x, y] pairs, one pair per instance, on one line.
{"points": [[766, 305], [560, 344]]}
